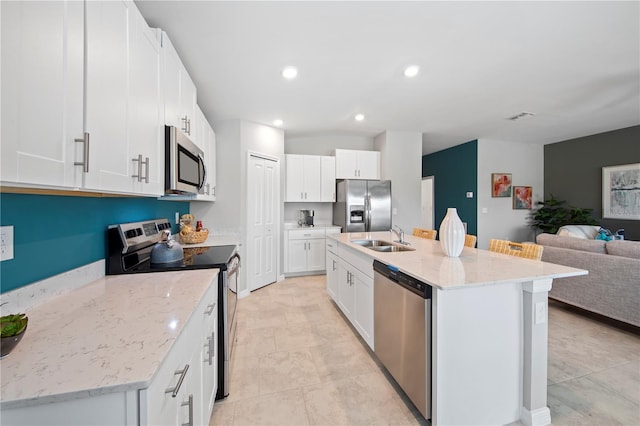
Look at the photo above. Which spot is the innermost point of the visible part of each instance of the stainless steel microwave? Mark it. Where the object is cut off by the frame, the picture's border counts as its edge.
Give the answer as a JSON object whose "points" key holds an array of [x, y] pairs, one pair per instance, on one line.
{"points": [[185, 170]]}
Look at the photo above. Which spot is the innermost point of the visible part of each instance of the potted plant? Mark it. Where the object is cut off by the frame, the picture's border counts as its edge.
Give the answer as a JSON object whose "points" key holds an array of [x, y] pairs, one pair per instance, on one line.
{"points": [[553, 214], [12, 329]]}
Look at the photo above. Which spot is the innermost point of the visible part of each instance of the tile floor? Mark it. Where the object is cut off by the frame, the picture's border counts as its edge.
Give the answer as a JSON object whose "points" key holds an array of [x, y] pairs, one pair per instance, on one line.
{"points": [[298, 362]]}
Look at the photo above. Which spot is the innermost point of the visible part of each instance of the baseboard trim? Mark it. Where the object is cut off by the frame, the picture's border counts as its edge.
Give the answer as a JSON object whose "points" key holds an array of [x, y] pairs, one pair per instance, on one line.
{"points": [[538, 417], [243, 294]]}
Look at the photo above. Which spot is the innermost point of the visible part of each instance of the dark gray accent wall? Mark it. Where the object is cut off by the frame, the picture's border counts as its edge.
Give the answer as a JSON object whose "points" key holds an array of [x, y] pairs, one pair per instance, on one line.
{"points": [[573, 171]]}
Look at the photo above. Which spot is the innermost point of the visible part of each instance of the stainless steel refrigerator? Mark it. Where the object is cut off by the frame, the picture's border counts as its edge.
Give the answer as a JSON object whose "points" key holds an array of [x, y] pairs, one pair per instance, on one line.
{"points": [[362, 205]]}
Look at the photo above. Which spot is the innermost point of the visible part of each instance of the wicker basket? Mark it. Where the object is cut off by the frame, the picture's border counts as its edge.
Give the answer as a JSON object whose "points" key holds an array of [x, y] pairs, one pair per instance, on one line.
{"points": [[194, 237]]}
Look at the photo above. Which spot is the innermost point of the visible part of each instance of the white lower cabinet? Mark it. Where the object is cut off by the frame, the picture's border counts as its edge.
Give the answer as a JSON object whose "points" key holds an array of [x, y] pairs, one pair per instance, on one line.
{"points": [[363, 319], [352, 288], [184, 389], [209, 356], [346, 290], [305, 250], [332, 269]]}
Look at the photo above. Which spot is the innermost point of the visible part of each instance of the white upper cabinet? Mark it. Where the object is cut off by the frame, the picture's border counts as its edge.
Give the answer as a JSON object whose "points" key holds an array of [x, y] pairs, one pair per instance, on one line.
{"points": [[88, 75], [180, 92], [352, 164], [328, 179], [210, 187], [302, 177], [123, 101], [205, 138], [42, 92], [310, 178], [107, 72], [146, 110]]}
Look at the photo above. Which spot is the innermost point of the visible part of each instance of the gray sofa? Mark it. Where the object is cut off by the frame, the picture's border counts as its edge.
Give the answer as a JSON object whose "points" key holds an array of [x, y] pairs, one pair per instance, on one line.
{"points": [[612, 287]]}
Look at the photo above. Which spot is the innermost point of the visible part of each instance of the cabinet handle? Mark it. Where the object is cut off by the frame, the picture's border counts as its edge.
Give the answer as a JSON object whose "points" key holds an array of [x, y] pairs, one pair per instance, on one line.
{"points": [[214, 191], [305, 195], [211, 307], [139, 161], [146, 173], [334, 265], [189, 127], [85, 153], [302, 195], [190, 404], [174, 390], [208, 189], [185, 128], [211, 339]]}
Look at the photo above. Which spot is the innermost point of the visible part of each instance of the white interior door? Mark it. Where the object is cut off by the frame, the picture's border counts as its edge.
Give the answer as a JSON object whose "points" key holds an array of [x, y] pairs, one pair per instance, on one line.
{"points": [[263, 180], [427, 203]]}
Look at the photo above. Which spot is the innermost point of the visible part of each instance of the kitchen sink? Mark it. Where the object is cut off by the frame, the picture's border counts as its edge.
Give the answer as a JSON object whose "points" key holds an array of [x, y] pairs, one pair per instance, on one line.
{"points": [[372, 243], [380, 245], [391, 248]]}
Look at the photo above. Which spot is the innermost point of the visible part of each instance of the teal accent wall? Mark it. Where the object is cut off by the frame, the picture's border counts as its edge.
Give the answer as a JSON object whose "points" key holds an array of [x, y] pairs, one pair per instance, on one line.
{"points": [[54, 234], [455, 172]]}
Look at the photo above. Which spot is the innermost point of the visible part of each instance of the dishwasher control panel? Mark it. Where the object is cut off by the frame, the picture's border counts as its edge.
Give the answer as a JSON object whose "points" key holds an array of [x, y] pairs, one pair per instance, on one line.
{"points": [[394, 274]]}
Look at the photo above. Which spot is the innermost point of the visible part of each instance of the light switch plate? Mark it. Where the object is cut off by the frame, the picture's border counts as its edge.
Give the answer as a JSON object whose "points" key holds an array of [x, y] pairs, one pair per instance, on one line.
{"points": [[470, 194], [6, 242]]}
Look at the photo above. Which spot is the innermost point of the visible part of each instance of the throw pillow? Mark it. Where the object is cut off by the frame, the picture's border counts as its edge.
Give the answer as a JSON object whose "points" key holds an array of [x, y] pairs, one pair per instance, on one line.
{"points": [[587, 232]]}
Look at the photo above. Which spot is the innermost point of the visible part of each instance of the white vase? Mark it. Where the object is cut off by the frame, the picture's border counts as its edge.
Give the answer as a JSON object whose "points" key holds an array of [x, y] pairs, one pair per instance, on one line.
{"points": [[451, 233]]}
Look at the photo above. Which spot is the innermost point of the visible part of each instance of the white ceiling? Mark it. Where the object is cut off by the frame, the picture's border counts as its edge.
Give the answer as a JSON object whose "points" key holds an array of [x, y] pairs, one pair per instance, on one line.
{"points": [[576, 65]]}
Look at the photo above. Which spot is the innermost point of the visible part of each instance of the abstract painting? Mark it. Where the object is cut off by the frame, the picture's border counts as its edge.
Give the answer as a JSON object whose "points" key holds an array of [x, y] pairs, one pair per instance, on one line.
{"points": [[522, 197], [501, 184], [621, 192]]}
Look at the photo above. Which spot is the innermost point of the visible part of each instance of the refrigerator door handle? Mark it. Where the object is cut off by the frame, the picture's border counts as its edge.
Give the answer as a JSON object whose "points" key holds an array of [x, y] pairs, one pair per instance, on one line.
{"points": [[367, 213]]}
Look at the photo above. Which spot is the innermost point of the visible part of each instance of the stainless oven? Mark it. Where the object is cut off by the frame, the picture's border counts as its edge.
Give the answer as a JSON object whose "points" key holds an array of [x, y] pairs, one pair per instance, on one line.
{"points": [[230, 301], [185, 170], [128, 252]]}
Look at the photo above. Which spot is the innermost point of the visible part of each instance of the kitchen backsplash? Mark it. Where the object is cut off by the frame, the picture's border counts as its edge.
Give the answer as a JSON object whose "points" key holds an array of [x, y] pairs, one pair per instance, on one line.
{"points": [[54, 234], [323, 212]]}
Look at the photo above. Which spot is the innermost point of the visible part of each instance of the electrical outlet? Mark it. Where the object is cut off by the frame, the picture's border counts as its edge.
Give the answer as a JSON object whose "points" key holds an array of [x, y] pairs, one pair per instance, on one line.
{"points": [[6, 242], [177, 218], [470, 194]]}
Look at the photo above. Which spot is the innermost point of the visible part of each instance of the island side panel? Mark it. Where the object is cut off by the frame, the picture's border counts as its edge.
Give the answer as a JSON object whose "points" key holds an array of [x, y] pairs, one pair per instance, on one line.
{"points": [[477, 355], [536, 308]]}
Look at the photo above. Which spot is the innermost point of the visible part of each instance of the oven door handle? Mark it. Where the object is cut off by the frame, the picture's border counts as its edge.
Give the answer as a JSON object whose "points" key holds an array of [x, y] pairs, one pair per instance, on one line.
{"points": [[204, 172], [236, 267]]}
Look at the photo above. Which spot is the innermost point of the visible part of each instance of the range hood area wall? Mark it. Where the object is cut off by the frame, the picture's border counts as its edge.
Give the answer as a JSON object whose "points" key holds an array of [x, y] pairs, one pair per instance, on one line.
{"points": [[54, 234]]}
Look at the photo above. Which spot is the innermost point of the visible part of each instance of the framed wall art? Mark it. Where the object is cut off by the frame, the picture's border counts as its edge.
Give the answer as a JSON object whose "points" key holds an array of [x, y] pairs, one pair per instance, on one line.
{"points": [[522, 197], [621, 192], [501, 184]]}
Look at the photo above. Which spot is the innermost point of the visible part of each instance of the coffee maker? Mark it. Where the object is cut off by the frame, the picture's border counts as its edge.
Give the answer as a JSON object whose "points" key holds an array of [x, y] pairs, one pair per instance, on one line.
{"points": [[305, 217]]}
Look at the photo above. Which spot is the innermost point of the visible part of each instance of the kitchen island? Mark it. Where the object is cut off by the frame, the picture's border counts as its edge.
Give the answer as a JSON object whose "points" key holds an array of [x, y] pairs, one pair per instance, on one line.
{"points": [[488, 326]]}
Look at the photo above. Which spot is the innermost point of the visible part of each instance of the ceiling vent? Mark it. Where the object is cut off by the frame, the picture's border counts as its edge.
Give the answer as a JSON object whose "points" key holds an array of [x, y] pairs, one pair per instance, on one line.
{"points": [[520, 116]]}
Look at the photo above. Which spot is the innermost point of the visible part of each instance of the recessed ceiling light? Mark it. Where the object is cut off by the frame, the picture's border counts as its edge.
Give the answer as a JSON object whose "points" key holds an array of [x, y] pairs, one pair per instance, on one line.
{"points": [[290, 73], [359, 117], [278, 122], [411, 71]]}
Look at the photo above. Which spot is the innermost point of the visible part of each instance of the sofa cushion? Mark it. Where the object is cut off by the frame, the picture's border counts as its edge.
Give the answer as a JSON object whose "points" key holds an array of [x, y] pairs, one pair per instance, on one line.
{"points": [[587, 232], [595, 246], [624, 248]]}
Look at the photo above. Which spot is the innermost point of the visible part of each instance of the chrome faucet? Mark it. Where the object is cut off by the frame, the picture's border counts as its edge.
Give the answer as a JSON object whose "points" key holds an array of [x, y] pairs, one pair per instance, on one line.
{"points": [[400, 234]]}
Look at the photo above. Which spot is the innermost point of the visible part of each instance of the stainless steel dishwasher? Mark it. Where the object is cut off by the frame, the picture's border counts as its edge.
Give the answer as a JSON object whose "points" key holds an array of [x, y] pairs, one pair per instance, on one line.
{"points": [[402, 331]]}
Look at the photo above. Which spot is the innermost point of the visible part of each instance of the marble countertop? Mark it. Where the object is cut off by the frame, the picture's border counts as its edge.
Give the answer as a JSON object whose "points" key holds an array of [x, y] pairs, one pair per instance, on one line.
{"points": [[474, 267], [110, 335]]}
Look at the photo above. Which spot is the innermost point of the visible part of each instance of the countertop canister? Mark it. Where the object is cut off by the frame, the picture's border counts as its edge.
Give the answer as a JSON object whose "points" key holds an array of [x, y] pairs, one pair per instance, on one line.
{"points": [[452, 233]]}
